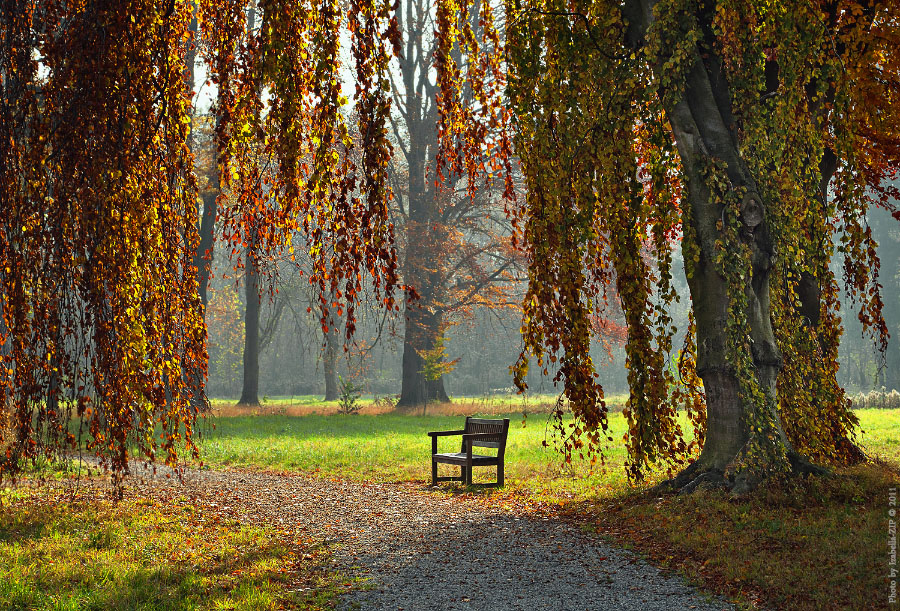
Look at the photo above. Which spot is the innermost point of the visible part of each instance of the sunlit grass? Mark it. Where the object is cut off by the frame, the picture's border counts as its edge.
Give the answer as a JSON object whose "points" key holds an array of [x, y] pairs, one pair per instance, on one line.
{"points": [[879, 433], [138, 554], [392, 447]]}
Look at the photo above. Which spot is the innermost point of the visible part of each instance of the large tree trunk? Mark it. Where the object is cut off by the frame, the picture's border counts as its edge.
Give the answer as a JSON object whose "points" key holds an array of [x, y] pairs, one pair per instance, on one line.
{"points": [[423, 321], [422, 329], [706, 136], [250, 391], [700, 121]]}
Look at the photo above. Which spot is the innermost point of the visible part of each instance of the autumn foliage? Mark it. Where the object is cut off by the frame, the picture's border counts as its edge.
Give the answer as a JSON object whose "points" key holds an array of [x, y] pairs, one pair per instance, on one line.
{"points": [[99, 306], [757, 135], [750, 139], [102, 335]]}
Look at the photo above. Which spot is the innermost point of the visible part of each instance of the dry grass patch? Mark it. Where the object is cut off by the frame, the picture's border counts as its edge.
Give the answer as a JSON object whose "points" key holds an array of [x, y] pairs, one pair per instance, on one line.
{"points": [[814, 544], [460, 406]]}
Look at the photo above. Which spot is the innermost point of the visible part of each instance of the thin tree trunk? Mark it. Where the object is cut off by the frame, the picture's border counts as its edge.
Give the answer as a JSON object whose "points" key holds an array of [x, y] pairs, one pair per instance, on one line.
{"points": [[203, 256], [329, 360], [250, 391]]}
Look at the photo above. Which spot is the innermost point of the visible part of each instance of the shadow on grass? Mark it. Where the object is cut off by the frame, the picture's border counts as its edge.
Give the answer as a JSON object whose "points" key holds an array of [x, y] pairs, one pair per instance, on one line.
{"points": [[159, 588], [182, 587], [811, 543], [22, 527]]}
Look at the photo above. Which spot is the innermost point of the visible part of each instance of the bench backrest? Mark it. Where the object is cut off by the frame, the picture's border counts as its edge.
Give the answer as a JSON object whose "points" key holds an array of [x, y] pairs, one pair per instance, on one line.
{"points": [[483, 425]]}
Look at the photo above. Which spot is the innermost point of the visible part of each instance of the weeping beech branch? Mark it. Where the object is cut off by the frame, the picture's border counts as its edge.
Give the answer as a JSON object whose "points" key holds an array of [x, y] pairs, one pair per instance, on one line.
{"points": [[102, 321], [645, 123]]}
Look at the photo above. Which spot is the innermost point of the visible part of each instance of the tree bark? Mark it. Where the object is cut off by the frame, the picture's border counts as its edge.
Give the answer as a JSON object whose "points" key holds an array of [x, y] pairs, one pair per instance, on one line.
{"points": [[203, 256], [704, 130], [250, 391], [329, 360], [423, 321], [422, 329], [421, 270]]}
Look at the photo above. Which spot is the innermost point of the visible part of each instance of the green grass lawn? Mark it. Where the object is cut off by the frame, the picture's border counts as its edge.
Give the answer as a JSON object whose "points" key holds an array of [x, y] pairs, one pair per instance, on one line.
{"points": [[167, 555], [880, 433], [392, 447]]}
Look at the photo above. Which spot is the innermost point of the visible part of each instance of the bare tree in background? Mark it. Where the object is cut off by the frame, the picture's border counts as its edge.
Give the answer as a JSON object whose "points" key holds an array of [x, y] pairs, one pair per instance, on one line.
{"points": [[458, 253]]}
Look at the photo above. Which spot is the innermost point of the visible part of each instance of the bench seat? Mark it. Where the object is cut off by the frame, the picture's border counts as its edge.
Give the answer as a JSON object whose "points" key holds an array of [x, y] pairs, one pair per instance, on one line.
{"points": [[459, 458]]}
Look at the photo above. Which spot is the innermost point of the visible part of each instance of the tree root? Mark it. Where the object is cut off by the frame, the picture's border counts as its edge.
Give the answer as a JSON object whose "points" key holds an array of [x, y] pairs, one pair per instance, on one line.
{"points": [[693, 477], [683, 479], [801, 465], [708, 480], [698, 476]]}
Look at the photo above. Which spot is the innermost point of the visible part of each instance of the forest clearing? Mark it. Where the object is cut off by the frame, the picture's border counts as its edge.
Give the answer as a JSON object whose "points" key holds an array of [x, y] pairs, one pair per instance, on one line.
{"points": [[271, 269], [172, 545]]}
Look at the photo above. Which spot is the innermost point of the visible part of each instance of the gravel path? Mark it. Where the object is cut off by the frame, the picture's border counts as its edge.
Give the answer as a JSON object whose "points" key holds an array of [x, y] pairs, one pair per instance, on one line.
{"points": [[426, 550]]}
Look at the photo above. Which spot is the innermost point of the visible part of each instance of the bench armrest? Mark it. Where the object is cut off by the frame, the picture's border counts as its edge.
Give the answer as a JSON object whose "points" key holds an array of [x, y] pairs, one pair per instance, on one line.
{"points": [[444, 433]]}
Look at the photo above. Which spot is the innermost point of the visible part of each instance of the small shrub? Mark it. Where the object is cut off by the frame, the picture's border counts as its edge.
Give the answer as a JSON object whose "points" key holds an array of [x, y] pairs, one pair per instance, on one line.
{"points": [[387, 402], [348, 402], [875, 399]]}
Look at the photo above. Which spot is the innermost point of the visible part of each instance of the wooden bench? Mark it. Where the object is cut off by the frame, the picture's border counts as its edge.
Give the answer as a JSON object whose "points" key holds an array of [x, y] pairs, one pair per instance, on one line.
{"points": [[480, 433]]}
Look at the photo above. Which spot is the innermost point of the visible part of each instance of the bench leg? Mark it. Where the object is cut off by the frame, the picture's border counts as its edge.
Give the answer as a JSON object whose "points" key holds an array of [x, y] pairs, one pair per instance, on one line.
{"points": [[500, 474], [468, 475], [433, 461]]}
